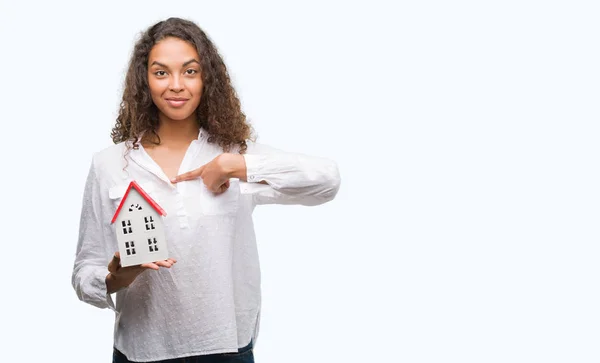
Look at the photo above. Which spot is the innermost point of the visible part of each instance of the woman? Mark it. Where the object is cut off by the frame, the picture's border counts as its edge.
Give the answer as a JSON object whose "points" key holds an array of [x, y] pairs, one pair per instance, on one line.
{"points": [[182, 136]]}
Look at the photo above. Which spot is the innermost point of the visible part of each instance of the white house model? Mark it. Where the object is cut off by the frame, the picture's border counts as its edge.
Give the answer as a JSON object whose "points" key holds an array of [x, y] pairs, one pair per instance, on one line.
{"points": [[139, 228]]}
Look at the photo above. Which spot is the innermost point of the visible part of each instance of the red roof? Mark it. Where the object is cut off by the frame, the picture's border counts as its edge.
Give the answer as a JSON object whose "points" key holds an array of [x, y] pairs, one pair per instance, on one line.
{"points": [[143, 194]]}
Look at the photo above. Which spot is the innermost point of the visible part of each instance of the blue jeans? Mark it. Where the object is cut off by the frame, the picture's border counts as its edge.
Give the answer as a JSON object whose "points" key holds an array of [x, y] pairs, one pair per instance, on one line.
{"points": [[244, 355]]}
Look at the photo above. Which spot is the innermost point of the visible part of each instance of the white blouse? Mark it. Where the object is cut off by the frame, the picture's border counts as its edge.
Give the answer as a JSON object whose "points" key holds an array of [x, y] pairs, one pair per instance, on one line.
{"points": [[209, 301]]}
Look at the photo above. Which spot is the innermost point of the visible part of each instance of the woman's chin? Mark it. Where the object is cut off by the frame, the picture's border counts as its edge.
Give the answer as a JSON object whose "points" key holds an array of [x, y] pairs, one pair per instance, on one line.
{"points": [[177, 116]]}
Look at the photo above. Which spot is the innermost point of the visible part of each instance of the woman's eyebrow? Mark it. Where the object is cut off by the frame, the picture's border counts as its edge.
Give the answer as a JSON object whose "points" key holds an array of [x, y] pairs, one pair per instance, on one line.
{"points": [[184, 64]]}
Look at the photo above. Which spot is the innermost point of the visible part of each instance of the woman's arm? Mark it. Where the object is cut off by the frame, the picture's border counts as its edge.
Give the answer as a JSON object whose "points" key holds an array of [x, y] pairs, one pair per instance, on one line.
{"points": [[91, 259], [274, 176]]}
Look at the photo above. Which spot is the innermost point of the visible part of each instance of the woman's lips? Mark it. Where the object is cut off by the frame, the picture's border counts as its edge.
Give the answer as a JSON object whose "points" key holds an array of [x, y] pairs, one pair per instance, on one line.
{"points": [[176, 103]]}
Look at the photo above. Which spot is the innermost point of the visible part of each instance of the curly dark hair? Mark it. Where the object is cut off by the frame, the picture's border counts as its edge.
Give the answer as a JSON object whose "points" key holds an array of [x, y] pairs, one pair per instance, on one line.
{"points": [[219, 111]]}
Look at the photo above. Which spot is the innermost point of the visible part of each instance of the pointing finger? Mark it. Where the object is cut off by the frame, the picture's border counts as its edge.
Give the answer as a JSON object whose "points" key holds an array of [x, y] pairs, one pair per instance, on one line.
{"points": [[185, 176], [188, 176]]}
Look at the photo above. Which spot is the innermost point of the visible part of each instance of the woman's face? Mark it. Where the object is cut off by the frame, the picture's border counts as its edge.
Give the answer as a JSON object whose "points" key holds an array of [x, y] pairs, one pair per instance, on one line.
{"points": [[174, 78]]}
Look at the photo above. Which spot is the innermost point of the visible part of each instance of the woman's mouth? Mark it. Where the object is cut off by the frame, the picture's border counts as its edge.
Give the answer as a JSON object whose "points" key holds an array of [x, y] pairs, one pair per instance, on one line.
{"points": [[176, 102]]}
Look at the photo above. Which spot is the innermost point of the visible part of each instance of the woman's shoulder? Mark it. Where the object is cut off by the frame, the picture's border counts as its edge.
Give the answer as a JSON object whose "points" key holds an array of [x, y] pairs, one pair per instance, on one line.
{"points": [[110, 154], [109, 162]]}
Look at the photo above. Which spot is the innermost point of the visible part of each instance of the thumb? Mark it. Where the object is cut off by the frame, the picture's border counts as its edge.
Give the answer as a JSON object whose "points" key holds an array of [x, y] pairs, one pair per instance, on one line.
{"points": [[114, 264]]}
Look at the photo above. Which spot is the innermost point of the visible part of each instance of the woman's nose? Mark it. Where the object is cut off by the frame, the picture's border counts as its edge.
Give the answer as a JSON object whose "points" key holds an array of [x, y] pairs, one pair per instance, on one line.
{"points": [[176, 84]]}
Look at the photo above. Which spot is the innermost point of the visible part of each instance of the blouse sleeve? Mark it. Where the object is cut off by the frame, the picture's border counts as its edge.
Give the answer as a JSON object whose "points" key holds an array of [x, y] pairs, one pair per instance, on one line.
{"points": [[91, 258], [292, 178]]}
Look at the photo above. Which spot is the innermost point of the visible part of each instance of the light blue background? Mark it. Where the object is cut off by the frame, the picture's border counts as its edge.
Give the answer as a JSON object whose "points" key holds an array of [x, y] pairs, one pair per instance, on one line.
{"points": [[466, 132]]}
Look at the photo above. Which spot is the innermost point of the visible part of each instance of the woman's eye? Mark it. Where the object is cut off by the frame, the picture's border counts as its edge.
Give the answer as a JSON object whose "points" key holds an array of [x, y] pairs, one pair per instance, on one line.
{"points": [[191, 71], [159, 73]]}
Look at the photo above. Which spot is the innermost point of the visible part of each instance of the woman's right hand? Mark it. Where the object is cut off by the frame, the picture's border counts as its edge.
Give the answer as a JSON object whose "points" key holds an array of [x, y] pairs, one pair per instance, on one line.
{"points": [[121, 277]]}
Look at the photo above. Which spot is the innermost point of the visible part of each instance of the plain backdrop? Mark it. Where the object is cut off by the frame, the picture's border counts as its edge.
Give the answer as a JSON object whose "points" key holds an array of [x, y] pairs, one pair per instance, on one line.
{"points": [[466, 133]]}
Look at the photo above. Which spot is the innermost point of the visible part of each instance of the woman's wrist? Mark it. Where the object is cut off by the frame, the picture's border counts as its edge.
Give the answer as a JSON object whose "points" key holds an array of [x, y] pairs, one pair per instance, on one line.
{"points": [[234, 165]]}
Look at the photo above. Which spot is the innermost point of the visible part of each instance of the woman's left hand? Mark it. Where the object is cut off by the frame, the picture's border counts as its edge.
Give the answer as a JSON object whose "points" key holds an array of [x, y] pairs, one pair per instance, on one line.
{"points": [[216, 173]]}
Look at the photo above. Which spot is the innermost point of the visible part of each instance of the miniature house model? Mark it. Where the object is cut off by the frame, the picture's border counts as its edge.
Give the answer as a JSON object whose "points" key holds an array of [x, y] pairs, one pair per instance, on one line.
{"points": [[139, 228]]}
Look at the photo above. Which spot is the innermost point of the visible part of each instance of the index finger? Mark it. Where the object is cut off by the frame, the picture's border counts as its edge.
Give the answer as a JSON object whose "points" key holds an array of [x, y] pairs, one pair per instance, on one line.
{"points": [[188, 176]]}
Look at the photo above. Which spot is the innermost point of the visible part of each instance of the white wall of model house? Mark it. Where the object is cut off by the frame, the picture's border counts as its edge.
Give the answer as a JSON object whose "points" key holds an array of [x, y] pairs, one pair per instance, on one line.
{"points": [[140, 231]]}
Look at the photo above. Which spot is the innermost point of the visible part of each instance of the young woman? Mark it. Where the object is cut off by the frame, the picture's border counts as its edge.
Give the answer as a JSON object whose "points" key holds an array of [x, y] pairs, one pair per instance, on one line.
{"points": [[181, 135]]}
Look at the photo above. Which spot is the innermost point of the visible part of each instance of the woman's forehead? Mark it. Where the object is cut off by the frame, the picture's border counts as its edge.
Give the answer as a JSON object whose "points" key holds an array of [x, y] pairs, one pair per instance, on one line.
{"points": [[173, 51]]}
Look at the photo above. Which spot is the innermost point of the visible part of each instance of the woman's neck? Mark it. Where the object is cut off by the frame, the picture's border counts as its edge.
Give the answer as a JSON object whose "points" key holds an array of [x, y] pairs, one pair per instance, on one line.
{"points": [[177, 132]]}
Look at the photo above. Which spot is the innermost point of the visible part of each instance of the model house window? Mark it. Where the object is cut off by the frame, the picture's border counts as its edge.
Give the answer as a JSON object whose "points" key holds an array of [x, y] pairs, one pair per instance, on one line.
{"points": [[135, 206], [152, 246], [149, 223], [126, 224], [130, 248]]}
